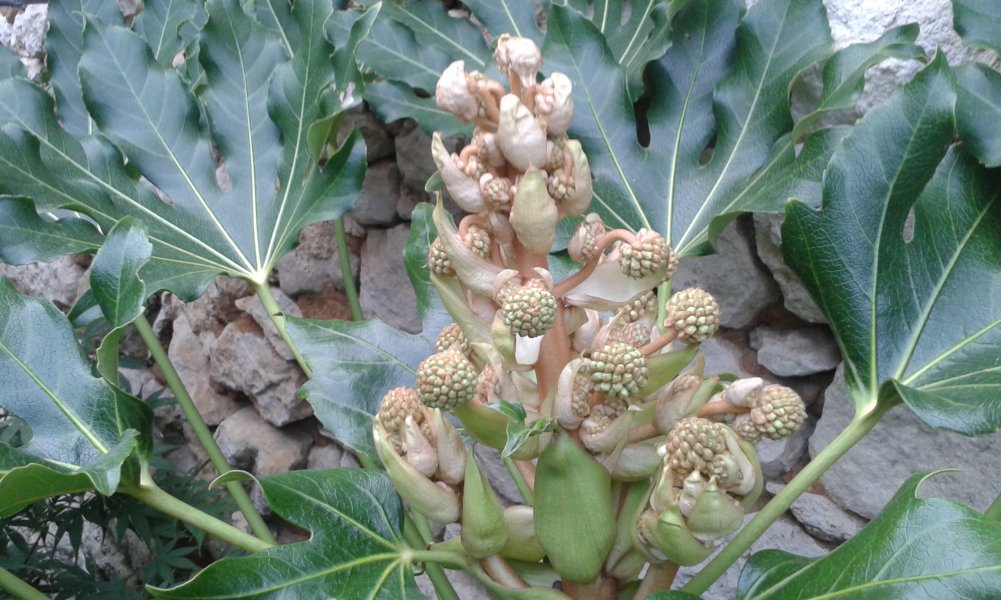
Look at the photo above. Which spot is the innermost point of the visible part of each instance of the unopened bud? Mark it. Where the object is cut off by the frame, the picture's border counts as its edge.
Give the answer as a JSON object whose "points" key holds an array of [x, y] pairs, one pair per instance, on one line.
{"points": [[534, 214], [520, 136], [583, 245], [452, 93]]}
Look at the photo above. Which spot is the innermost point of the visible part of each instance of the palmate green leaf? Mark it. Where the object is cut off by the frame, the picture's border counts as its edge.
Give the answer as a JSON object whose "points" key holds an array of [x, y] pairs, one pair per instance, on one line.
{"points": [[114, 272], [354, 364], [905, 260], [916, 549], [259, 101], [711, 86], [10, 64], [27, 237], [977, 21], [355, 551], [63, 47], [160, 25], [978, 111], [83, 429], [391, 101]]}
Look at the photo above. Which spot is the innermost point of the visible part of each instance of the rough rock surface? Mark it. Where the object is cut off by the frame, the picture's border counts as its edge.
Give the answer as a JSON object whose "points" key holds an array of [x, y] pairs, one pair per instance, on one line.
{"points": [[253, 307], [386, 292], [378, 142], [243, 360], [795, 352], [217, 306], [380, 194], [867, 476], [795, 297], [777, 457], [741, 286], [189, 354], [314, 263], [25, 36], [62, 280], [413, 156], [822, 518]]}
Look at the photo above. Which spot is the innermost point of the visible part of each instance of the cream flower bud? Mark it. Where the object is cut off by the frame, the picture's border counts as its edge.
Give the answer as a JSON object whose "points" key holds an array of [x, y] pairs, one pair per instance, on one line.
{"points": [[520, 136], [496, 191], [451, 450], [520, 55], [533, 214], [579, 199], [434, 501], [556, 106], [419, 452], [573, 391], [453, 92], [465, 190], [487, 149]]}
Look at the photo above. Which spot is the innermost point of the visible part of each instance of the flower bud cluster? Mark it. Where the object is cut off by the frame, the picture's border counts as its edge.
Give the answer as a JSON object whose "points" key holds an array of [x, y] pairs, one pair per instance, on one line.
{"points": [[597, 372]]}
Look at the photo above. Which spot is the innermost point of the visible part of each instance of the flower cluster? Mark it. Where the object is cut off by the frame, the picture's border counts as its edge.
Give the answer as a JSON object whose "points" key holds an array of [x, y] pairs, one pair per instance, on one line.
{"points": [[596, 361]]}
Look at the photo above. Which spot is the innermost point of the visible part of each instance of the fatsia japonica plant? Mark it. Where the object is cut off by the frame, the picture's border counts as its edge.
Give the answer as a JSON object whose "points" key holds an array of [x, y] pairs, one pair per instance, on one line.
{"points": [[603, 145]]}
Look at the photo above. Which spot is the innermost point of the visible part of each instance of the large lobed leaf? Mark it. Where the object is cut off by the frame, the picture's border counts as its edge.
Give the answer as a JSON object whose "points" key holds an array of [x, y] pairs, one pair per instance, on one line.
{"points": [[916, 549], [978, 102], [355, 549], [905, 260], [83, 429], [259, 90]]}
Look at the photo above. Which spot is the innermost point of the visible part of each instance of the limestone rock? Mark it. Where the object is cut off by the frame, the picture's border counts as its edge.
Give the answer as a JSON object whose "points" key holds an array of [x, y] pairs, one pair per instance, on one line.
{"points": [[413, 156], [314, 263], [325, 457], [726, 356], [62, 280], [868, 475], [741, 286], [252, 444], [26, 35], [386, 292], [822, 518], [378, 142], [253, 307], [768, 240], [380, 194], [243, 360], [190, 357], [795, 352], [217, 306]]}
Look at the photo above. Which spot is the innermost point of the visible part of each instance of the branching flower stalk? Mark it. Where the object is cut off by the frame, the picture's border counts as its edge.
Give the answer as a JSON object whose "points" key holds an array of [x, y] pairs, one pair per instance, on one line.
{"points": [[631, 455]]}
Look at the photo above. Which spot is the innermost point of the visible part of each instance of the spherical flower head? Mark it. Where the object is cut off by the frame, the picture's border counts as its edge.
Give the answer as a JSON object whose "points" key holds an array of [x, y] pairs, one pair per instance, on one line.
{"points": [[777, 412], [397, 405], [560, 185], [636, 335], [520, 55], [692, 445], [438, 260], [584, 244], [746, 429], [642, 306], [446, 379], [478, 240], [693, 314], [472, 166], [618, 370], [530, 311], [650, 254], [582, 389], [453, 92], [451, 338], [496, 191]]}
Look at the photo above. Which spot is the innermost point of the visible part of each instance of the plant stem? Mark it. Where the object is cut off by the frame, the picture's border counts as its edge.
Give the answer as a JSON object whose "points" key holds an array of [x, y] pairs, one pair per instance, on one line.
{"points": [[519, 482], [263, 291], [349, 281], [856, 430], [153, 496], [994, 510], [17, 588], [201, 430], [435, 573]]}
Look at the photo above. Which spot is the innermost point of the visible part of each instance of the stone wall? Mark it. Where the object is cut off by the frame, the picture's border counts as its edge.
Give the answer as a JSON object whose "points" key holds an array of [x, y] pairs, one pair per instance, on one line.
{"points": [[244, 380]]}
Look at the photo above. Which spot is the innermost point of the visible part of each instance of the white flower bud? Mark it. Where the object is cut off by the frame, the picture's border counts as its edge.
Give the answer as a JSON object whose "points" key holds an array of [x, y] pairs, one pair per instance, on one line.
{"points": [[465, 190], [453, 93], [556, 107], [520, 55], [520, 136]]}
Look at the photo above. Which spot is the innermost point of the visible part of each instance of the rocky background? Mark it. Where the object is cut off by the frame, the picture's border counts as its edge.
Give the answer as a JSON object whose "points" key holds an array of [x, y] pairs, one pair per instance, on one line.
{"points": [[244, 380]]}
